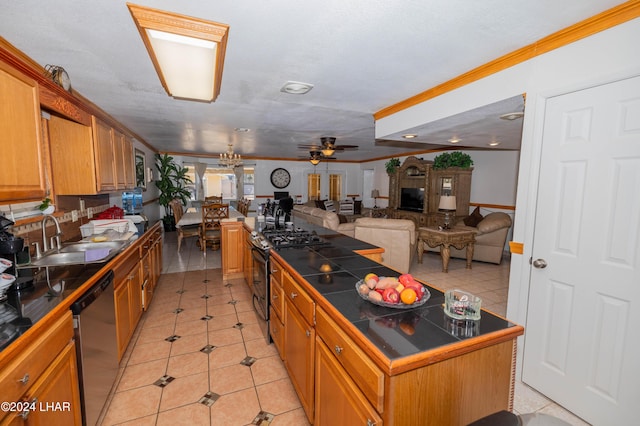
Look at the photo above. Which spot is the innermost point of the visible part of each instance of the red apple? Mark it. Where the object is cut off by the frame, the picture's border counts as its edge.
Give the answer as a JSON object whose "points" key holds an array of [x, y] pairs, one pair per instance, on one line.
{"points": [[391, 295], [405, 278]]}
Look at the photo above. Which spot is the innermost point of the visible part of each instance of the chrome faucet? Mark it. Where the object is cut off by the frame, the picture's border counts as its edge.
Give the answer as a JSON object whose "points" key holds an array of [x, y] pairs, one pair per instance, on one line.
{"points": [[55, 238]]}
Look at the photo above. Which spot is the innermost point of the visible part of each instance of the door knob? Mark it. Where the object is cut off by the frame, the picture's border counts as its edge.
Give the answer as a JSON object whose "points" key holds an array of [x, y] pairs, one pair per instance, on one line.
{"points": [[540, 263]]}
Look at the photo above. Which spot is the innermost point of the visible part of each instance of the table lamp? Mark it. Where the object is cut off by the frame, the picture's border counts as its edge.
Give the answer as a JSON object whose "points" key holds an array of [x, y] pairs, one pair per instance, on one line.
{"points": [[447, 205], [375, 194]]}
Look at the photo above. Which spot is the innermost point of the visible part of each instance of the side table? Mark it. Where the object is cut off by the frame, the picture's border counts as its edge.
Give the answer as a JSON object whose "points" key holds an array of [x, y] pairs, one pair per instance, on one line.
{"points": [[456, 237]]}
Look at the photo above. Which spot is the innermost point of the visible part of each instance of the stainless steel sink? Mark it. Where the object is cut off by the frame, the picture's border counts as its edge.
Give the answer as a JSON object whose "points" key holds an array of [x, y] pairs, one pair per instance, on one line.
{"points": [[76, 254], [84, 246]]}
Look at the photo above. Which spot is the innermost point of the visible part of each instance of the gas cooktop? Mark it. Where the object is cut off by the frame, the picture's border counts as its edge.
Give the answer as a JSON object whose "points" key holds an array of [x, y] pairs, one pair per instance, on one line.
{"points": [[296, 237]]}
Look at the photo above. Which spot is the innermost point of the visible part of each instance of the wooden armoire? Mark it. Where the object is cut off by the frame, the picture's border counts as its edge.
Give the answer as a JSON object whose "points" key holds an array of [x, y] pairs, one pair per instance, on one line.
{"points": [[419, 174]]}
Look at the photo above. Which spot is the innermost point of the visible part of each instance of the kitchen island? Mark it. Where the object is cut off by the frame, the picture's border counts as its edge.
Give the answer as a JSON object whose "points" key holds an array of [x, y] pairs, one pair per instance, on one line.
{"points": [[369, 364]]}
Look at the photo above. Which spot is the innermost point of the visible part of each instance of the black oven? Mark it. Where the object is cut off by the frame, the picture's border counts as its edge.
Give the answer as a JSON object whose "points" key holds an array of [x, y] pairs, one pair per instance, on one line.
{"points": [[260, 259]]}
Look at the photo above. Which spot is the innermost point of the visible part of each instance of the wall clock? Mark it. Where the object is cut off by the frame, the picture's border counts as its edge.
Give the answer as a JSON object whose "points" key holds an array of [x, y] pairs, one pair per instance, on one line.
{"points": [[280, 178], [59, 76]]}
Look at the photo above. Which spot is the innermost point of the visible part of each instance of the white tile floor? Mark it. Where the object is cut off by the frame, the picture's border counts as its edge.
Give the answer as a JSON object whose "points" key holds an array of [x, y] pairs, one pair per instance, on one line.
{"points": [[488, 281]]}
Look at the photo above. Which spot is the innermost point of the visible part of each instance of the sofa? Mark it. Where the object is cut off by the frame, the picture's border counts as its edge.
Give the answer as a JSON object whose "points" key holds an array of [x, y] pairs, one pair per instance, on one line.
{"points": [[396, 236], [491, 236], [325, 218]]}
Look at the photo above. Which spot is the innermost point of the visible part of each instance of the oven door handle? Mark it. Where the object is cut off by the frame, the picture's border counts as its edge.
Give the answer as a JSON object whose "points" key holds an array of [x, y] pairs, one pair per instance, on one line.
{"points": [[259, 309]]}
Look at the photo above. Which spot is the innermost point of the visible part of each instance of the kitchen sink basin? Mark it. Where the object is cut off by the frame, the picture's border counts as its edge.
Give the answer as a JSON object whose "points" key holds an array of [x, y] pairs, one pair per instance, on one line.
{"points": [[80, 253], [84, 246]]}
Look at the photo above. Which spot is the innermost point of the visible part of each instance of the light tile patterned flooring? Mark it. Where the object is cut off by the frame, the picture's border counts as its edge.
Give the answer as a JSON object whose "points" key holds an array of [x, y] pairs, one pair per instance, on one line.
{"points": [[198, 358]]}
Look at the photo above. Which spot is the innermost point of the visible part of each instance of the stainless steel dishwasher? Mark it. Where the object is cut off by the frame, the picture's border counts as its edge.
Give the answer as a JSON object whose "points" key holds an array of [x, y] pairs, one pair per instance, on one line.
{"points": [[94, 320]]}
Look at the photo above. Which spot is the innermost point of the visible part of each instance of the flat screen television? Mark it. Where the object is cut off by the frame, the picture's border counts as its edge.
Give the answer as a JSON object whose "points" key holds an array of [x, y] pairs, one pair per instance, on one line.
{"points": [[412, 199]]}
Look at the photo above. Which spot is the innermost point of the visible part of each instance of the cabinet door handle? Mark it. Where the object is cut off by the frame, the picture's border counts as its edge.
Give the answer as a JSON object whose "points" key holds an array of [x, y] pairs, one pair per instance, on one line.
{"points": [[338, 350], [30, 405], [308, 333], [294, 295], [25, 379], [274, 296], [371, 422]]}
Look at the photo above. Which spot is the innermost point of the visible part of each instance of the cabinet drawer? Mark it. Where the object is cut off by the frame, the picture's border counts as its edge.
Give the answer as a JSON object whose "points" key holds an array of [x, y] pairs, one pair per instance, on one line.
{"points": [[277, 297], [276, 329], [364, 372], [23, 371], [300, 299], [276, 269]]}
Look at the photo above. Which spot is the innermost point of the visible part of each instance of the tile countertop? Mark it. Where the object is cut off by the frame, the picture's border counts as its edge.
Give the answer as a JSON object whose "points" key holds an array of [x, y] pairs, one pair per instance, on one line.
{"points": [[396, 333], [25, 308]]}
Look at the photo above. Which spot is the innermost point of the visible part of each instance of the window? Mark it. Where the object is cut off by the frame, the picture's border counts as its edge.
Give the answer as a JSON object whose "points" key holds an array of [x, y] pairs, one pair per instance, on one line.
{"points": [[313, 186], [215, 182], [249, 184], [335, 187]]}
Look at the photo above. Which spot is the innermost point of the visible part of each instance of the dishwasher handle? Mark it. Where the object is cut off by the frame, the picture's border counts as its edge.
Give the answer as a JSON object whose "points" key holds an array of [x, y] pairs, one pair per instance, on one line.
{"points": [[92, 294]]}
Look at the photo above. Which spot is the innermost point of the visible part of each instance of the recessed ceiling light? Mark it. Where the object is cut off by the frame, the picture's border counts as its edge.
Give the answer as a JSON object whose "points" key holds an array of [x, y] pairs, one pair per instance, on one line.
{"points": [[296, 87], [512, 116], [410, 136], [242, 129], [454, 140], [494, 143]]}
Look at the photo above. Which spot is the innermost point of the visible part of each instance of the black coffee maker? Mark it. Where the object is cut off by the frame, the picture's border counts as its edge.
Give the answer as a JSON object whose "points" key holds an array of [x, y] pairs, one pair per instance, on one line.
{"points": [[12, 248]]}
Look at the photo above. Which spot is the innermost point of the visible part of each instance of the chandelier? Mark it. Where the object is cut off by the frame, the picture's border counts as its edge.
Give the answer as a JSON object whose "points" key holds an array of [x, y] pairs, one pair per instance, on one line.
{"points": [[229, 159]]}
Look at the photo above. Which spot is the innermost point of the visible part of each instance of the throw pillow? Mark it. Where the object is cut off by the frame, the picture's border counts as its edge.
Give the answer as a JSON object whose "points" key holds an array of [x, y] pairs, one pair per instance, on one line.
{"points": [[474, 218], [320, 204], [328, 206], [343, 218]]}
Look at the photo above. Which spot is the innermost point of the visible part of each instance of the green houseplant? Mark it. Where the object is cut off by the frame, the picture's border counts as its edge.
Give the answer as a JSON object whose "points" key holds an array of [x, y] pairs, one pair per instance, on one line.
{"points": [[172, 185], [452, 159], [392, 165]]}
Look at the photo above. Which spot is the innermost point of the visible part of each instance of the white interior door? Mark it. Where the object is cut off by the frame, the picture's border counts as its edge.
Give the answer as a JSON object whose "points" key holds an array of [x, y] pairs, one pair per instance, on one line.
{"points": [[582, 347]]}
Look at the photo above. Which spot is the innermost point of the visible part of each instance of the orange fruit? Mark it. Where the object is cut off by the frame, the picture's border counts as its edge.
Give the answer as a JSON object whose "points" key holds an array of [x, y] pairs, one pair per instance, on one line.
{"points": [[408, 296]]}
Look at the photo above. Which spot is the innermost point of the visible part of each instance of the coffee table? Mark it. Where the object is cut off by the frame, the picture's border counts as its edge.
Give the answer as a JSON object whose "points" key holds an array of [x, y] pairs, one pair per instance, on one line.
{"points": [[456, 237]]}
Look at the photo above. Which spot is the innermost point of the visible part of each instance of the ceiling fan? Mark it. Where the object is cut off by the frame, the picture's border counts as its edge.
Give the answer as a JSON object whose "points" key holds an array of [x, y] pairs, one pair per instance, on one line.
{"points": [[315, 156], [328, 146]]}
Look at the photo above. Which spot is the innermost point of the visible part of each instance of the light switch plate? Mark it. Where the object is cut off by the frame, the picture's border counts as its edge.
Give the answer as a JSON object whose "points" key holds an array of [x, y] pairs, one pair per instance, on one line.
{"points": [[74, 215], [89, 212]]}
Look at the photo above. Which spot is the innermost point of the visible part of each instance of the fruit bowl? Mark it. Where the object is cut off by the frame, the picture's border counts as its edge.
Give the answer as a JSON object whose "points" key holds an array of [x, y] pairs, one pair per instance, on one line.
{"points": [[398, 305]]}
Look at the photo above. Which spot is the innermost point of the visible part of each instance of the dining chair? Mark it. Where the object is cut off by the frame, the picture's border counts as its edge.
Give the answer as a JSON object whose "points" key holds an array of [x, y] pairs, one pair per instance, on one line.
{"points": [[184, 231], [210, 232], [213, 199]]}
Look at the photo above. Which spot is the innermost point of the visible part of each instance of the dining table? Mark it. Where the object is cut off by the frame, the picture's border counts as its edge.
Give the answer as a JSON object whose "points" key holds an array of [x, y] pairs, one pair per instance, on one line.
{"points": [[193, 216]]}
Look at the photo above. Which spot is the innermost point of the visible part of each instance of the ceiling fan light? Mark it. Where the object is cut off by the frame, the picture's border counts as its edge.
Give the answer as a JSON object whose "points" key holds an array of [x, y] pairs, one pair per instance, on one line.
{"points": [[328, 152], [410, 136], [454, 140], [314, 161]]}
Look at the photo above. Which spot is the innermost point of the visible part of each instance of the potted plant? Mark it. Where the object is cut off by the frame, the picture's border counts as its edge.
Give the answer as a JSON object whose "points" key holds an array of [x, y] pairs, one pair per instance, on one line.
{"points": [[172, 185], [392, 165], [452, 159], [46, 207]]}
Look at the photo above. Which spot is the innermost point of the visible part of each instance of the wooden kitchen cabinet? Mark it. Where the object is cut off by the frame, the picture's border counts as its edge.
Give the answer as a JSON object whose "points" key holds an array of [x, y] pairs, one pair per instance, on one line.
{"points": [[105, 162], [123, 317], [127, 297], [232, 250], [123, 157], [299, 342], [89, 160], [22, 175], [336, 392], [45, 372]]}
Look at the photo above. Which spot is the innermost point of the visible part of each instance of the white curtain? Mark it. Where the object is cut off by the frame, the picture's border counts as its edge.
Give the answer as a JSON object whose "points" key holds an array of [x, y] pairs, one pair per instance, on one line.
{"points": [[200, 169]]}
